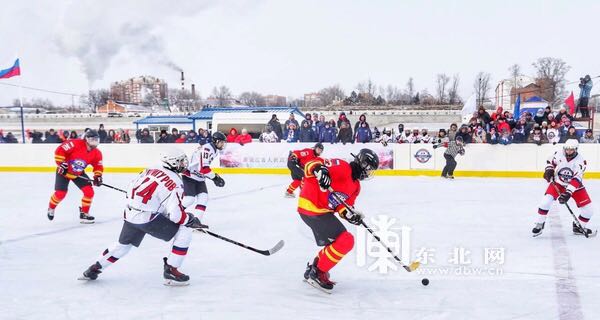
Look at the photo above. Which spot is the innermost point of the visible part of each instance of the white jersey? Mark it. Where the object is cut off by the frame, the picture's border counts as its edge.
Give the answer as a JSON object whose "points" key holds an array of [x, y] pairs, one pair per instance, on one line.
{"points": [[268, 137], [568, 174], [199, 167], [155, 191], [426, 139], [553, 135]]}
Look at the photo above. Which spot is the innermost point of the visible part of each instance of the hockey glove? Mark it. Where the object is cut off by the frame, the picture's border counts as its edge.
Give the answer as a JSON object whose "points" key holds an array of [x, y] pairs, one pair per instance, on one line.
{"points": [[62, 169], [322, 175], [194, 222], [98, 180], [355, 217], [219, 182], [435, 146], [564, 197], [549, 174]]}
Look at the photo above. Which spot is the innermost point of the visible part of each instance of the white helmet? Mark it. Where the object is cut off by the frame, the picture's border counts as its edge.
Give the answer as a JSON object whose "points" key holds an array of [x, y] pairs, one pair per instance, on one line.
{"points": [[571, 144], [174, 159]]}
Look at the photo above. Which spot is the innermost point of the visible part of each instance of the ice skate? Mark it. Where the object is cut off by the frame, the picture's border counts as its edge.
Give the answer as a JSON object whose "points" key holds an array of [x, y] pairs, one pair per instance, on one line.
{"points": [[173, 277]]}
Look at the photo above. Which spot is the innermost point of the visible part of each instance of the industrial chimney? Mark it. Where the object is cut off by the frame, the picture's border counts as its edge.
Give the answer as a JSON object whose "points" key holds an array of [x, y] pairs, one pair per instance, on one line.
{"points": [[193, 91], [182, 82]]}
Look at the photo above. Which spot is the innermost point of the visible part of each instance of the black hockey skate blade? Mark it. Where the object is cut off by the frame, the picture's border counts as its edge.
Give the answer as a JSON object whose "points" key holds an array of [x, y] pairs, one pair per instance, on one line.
{"points": [[173, 283], [315, 285], [591, 235]]}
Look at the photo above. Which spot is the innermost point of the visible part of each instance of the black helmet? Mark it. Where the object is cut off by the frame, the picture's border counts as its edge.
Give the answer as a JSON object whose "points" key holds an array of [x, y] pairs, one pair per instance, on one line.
{"points": [[91, 134], [92, 138], [364, 164], [216, 137], [318, 145]]}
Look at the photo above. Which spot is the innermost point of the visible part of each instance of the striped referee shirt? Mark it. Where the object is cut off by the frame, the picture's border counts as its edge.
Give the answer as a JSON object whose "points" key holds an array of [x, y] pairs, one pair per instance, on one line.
{"points": [[454, 149]]}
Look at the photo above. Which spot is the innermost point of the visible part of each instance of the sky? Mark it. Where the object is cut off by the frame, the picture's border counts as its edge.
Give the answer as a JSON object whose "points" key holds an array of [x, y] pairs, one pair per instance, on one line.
{"points": [[288, 47]]}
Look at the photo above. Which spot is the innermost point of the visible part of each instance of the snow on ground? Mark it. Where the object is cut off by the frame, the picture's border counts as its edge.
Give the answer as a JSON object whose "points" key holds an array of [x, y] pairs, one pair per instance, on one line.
{"points": [[553, 276]]}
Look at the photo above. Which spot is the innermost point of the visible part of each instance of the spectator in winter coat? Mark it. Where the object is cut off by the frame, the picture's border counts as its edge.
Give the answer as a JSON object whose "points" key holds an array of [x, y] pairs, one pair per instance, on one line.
{"points": [[547, 112], [145, 136], [452, 131], [540, 116], [537, 137], [506, 138], [243, 138], [233, 133], [544, 127], [362, 119], [102, 133], [376, 134], [345, 134], [73, 135], [319, 125], [425, 137], [588, 137], [464, 134], [182, 138], [52, 137], [36, 137], [484, 116], [291, 120], [363, 133], [493, 137], [307, 134], [551, 118], [562, 113], [164, 137], [519, 135], [269, 136], [386, 137], [413, 137], [111, 137], [571, 134], [497, 115], [291, 134], [564, 128], [508, 118], [191, 137], [276, 126], [329, 132], [502, 125], [585, 85], [204, 138], [174, 135], [308, 118], [479, 135], [10, 138], [342, 118]]}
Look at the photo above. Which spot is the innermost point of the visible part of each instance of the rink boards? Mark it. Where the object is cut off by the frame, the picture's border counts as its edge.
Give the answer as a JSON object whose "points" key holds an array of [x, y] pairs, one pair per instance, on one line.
{"points": [[480, 160]]}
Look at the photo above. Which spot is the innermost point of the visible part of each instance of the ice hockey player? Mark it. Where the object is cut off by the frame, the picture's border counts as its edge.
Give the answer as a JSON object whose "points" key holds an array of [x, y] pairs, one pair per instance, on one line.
{"points": [[72, 157], [317, 207], [154, 208], [564, 173], [296, 161], [454, 148], [195, 192]]}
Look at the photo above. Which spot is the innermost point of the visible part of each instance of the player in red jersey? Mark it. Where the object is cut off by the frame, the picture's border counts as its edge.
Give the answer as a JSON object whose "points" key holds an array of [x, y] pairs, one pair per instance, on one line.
{"points": [[296, 162], [72, 157], [316, 207]]}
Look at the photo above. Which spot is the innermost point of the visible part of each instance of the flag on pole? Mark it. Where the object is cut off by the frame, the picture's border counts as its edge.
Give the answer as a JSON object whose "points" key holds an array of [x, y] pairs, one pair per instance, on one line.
{"points": [[517, 110], [570, 101], [13, 71]]}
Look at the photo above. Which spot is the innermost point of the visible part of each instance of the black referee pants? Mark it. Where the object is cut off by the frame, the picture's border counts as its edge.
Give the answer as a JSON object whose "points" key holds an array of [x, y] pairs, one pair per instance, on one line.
{"points": [[450, 166]]}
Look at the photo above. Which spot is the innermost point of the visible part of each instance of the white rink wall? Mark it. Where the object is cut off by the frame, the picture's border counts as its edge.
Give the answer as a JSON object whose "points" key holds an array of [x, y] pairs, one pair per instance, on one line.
{"points": [[519, 160]]}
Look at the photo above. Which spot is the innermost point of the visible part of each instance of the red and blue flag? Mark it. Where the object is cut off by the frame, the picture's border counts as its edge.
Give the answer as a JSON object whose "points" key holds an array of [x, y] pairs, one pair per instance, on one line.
{"points": [[13, 71]]}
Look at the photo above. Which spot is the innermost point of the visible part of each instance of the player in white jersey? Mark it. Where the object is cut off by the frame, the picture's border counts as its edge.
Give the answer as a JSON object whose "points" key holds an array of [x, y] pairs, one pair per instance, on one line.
{"points": [[154, 208], [564, 171], [194, 186]]}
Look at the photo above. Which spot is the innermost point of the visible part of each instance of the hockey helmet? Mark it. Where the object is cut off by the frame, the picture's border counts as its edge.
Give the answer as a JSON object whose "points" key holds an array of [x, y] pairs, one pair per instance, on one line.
{"points": [[366, 162], [570, 145], [219, 140], [92, 138], [320, 146], [174, 159]]}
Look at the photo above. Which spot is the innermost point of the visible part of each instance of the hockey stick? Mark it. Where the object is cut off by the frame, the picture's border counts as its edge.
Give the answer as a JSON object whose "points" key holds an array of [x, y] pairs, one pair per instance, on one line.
{"points": [[571, 212], [269, 252], [412, 267], [103, 184]]}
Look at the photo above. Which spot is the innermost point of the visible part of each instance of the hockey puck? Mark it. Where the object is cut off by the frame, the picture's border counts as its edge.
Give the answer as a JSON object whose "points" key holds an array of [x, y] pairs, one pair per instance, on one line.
{"points": [[424, 281]]}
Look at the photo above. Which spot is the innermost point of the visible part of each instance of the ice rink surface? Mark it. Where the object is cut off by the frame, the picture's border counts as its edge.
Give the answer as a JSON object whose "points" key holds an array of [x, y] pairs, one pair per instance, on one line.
{"points": [[554, 276]]}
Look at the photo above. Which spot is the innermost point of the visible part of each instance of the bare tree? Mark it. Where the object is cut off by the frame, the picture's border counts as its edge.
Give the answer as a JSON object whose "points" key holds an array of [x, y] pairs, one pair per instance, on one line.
{"points": [[182, 99], [97, 98], [515, 71], [393, 95], [481, 86], [253, 99], [453, 97], [366, 91], [441, 84], [222, 94], [410, 88], [551, 74], [331, 94]]}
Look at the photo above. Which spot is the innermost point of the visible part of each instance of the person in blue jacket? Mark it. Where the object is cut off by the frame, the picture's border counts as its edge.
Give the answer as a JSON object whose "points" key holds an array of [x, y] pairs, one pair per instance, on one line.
{"points": [[329, 132], [363, 133]]}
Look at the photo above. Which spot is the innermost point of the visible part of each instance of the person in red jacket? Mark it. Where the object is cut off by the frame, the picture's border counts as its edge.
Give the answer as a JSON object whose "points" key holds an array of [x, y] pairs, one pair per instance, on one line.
{"points": [[72, 157], [317, 207], [233, 133], [296, 162], [243, 138]]}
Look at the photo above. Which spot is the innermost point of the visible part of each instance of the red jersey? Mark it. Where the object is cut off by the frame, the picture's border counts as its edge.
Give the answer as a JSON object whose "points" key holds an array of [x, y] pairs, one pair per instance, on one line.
{"points": [[75, 153], [313, 201], [304, 156]]}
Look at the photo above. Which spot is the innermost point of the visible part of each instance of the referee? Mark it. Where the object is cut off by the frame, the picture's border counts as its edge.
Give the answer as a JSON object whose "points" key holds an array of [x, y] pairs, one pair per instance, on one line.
{"points": [[453, 148]]}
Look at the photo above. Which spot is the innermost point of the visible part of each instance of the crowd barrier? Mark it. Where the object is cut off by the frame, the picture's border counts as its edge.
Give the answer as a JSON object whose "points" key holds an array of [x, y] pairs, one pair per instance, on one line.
{"points": [[480, 160]]}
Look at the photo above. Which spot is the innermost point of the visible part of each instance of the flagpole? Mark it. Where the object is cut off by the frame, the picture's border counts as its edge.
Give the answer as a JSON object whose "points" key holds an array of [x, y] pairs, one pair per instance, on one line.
{"points": [[21, 103]]}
